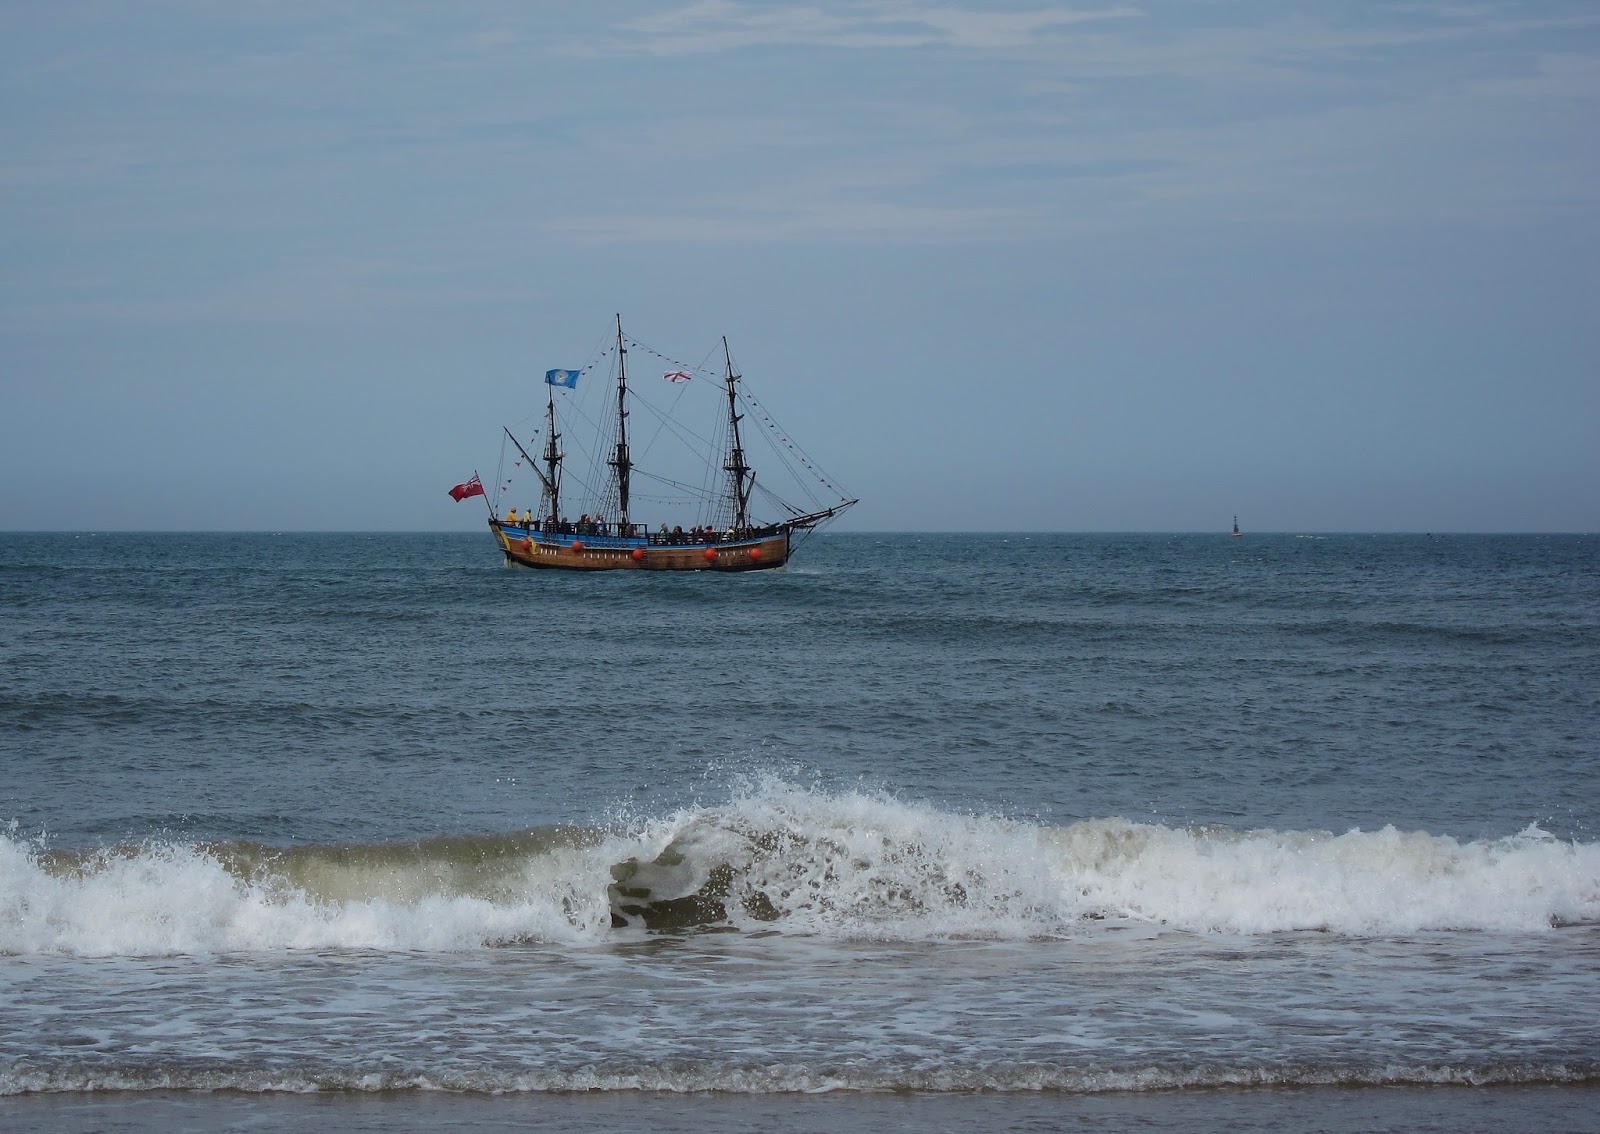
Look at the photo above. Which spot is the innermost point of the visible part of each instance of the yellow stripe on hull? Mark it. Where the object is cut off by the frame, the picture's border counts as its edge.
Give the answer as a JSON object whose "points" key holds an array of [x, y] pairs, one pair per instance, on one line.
{"points": [[573, 553]]}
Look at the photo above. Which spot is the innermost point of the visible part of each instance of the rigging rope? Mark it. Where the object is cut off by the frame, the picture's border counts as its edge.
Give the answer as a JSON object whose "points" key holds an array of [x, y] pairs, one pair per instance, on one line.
{"points": [[595, 488]]}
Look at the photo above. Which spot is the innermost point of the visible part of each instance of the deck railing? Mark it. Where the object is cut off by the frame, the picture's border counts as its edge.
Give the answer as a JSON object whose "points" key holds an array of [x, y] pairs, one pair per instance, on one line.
{"points": [[637, 534]]}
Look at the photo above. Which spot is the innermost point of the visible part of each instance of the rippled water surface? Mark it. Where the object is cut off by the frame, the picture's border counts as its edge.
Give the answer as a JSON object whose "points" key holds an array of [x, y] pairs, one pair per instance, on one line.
{"points": [[938, 814]]}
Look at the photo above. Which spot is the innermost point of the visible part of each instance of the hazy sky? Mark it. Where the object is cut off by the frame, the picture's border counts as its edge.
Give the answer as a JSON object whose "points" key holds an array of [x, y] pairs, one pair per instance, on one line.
{"points": [[291, 265]]}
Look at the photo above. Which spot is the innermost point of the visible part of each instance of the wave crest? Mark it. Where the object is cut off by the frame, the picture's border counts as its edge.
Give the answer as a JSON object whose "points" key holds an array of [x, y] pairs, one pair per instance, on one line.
{"points": [[865, 865], [784, 857]]}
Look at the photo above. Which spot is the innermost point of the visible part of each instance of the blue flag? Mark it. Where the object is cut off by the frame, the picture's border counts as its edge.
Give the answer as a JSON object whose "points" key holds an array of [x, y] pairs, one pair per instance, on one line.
{"points": [[567, 378]]}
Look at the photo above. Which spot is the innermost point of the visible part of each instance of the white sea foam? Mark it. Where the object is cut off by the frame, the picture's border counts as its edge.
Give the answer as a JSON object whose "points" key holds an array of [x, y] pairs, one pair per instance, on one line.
{"points": [[1359, 883], [865, 865], [166, 899], [803, 861]]}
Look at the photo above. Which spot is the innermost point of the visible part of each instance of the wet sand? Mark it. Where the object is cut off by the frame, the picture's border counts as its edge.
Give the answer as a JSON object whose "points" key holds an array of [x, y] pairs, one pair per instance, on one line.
{"points": [[1459, 1110]]}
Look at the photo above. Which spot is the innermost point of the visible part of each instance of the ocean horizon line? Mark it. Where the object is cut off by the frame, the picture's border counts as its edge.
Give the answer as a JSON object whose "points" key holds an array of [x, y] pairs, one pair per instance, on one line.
{"points": [[1219, 531]]}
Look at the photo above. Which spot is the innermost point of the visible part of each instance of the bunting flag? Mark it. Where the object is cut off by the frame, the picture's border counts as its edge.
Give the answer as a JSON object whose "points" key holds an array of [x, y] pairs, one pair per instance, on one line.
{"points": [[473, 487], [676, 376], [567, 378]]}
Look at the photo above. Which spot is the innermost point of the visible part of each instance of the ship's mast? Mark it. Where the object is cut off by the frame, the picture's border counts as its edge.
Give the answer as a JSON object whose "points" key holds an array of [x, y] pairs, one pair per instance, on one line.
{"points": [[735, 466], [552, 459], [620, 462]]}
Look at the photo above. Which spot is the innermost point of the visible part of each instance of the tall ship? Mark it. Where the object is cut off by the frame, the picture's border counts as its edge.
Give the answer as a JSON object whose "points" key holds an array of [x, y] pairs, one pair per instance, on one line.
{"points": [[660, 478]]}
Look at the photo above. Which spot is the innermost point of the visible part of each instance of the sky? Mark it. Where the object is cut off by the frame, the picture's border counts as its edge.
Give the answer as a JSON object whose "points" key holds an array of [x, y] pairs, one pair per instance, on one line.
{"points": [[1328, 266]]}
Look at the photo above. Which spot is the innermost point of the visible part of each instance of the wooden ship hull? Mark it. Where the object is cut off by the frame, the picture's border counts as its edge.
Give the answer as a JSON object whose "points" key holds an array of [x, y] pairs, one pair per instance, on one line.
{"points": [[529, 547]]}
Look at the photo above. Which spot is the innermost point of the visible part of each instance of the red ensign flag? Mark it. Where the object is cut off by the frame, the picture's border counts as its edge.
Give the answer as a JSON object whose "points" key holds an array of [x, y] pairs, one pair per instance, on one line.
{"points": [[473, 487]]}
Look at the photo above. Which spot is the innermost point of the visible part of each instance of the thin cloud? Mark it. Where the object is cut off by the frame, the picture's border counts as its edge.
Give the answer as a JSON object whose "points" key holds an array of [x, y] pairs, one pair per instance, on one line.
{"points": [[714, 26], [855, 222]]}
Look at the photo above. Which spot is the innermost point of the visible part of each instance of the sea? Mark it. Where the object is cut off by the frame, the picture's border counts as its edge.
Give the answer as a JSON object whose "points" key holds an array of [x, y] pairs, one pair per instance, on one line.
{"points": [[998, 831]]}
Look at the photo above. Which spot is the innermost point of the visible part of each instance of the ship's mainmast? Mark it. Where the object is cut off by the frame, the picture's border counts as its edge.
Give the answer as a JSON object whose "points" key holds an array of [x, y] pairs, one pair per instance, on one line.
{"points": [[741, 479], [620, 462], [552, 459]]}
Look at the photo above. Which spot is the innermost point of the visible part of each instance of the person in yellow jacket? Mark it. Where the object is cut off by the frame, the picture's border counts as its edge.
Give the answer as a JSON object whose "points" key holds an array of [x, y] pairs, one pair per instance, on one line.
{"points": [[511, 515]]}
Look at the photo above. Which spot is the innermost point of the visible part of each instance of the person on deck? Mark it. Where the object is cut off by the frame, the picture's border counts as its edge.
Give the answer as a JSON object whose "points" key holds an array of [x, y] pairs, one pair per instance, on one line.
{"points": [[511, 515]]}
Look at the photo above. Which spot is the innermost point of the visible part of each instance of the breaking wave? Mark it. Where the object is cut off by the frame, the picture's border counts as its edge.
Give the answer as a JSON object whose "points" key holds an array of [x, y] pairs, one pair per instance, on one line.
{"points": [[781, 857]]}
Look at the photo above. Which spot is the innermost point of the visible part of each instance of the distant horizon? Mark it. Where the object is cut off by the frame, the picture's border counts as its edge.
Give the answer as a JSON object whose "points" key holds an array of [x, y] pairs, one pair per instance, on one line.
{"points": [[1222, 532]]}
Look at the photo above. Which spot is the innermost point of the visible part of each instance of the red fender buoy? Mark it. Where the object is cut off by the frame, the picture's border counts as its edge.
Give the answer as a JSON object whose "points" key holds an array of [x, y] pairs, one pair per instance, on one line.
{"points": [[711, 554], [755, 553], [577, 545], [638, 555], [527, 545]]}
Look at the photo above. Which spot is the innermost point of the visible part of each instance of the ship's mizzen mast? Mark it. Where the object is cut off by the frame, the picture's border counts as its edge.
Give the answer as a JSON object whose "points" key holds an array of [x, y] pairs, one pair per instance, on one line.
{"points": [[620, 462], [741, 479]]}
